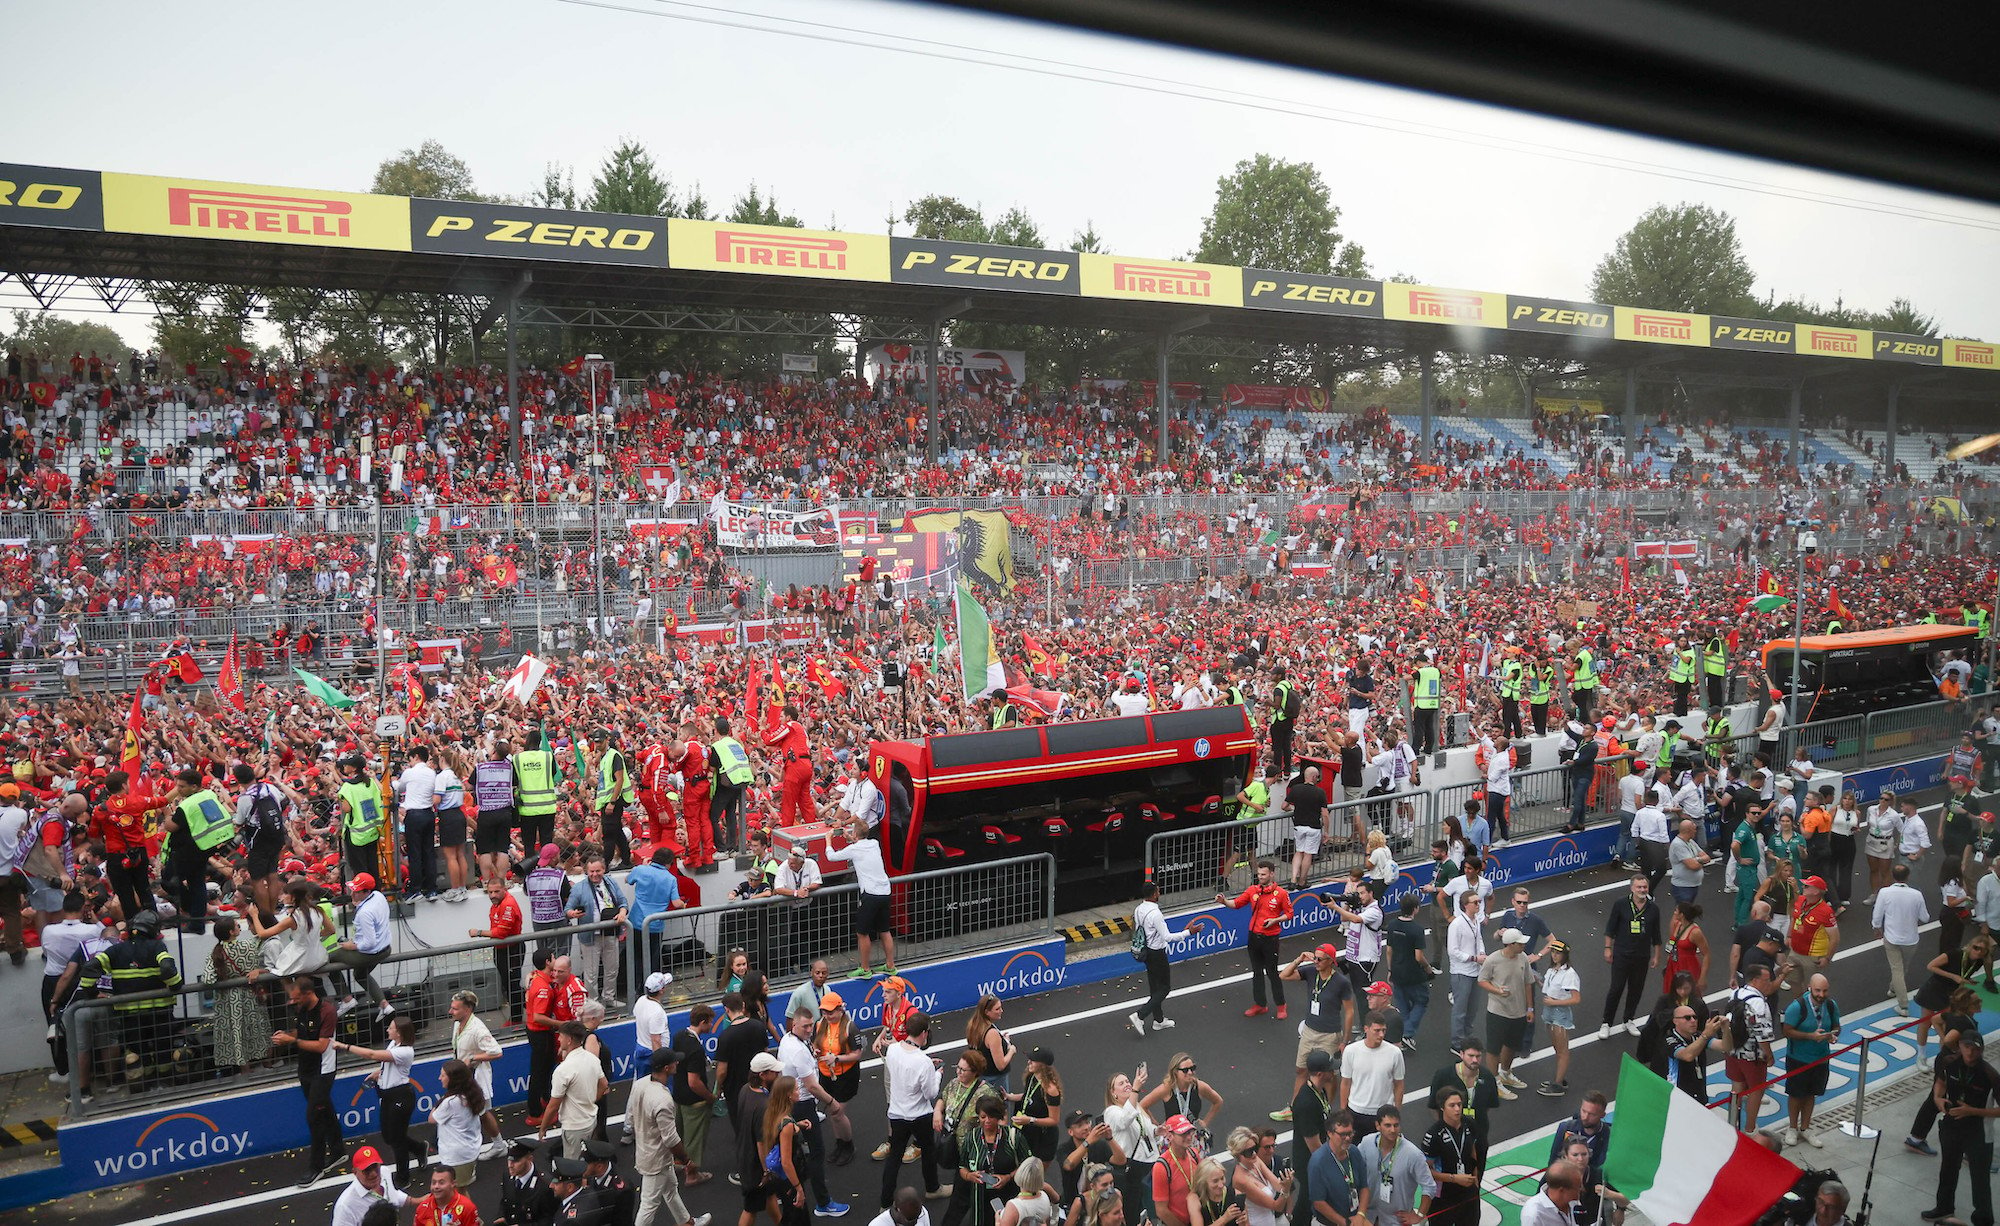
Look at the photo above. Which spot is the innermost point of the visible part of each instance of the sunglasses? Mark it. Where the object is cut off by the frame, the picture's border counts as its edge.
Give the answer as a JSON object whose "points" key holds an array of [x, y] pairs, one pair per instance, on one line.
{"points": [[1185, 1068]]}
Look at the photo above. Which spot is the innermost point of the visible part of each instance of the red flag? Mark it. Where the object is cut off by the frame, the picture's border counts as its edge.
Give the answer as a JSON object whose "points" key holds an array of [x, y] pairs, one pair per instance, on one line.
{"points": [[1836, 605], [1044, 703], [1624, 574], [1767, 583], [774, 701], [573, 367], [657, 399], [80, 529], [1038, 659], [752, 688], [229, 679], [415, 681], [43, 394], [238, 354], [135, 724], [180, 661]]}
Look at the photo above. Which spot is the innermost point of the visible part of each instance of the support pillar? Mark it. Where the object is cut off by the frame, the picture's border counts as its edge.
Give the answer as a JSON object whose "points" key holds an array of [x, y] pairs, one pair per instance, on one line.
{"points": [[514, 371], [932, 343], [1428, 393], [1889, 447], [1165, 397], [1792, 422], [1631, 414]]}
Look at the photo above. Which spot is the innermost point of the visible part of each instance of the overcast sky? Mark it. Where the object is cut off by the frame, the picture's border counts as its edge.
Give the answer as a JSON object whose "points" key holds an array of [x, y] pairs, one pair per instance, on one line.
{"points": [[806, 100]]}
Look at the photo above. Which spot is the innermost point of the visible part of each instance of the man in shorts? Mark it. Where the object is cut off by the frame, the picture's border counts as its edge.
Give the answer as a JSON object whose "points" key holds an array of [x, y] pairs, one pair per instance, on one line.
{"points": [[1306, 802], [493, 805], [263, 809], [1329, 1011]]}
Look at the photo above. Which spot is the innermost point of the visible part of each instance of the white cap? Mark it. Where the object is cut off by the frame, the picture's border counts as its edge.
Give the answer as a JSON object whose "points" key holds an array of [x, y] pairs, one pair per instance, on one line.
{"points": [[1513, 936], [657, 982]]}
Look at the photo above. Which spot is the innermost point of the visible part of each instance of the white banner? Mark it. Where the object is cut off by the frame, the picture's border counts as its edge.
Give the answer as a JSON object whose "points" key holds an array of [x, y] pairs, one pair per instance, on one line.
{"points": [[742, 527], [987, 368], [800, 364]]}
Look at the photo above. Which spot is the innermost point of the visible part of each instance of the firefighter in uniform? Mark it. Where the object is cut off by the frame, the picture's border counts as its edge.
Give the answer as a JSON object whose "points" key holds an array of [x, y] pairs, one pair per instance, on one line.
{"points": [[1583, 682], [1426, 695], [1541, 689], [535, 792], [198, 827], [789, 740], [360, 803], [141, 963], [729, 766], [698, 832], [1680, 671], [1513, 681], [614, 792], [1715, 668]]}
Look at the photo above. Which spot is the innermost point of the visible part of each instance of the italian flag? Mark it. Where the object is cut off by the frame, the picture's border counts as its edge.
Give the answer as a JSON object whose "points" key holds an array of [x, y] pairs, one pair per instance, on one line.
{"points": [[1715, 1176], [982, 672]]}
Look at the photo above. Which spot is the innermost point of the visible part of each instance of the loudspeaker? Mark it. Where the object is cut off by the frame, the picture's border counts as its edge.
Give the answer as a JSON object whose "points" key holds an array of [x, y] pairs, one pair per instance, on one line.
{"points": [[892, 675]]}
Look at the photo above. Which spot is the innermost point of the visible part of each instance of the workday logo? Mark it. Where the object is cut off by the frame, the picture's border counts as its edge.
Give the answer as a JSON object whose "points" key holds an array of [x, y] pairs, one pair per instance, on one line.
{"points": [[1562, 856], [1207, 935], [172, 1141], [1028, 971]]}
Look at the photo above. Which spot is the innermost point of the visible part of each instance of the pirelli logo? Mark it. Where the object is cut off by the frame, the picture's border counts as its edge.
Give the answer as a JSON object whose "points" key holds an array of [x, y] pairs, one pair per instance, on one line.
{"points": [[1652, 327], [1458, 308], [1432, 304], [245, 212], [1972, 353], [1163, 280], [722, 247], [1819, 340], [762, 249]]}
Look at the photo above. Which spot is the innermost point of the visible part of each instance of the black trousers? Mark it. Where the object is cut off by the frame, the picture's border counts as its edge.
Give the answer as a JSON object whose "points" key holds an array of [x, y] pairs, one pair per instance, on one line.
{"points": [[360, 858], [190, 882], [1681, 691], [1629, 975], [1715, 687], [131, 874], [1159, 981], [1653, 857], [1843, 867], [538, 830], [420, 849], [1585, 702], [611, 828], [58, 1046], [1264, 963], [1538, 714], [1281, 745], [1510, 716], [1425, 730], [725, 814], [541, 1069], [1965, 1143], [901, 1134], [321, 1121], [396, 1106]]}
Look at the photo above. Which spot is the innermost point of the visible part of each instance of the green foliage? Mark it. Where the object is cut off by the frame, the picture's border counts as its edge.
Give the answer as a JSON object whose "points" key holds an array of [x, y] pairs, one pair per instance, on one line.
{"points": [[1015, 228], [753, 208], [1680, 258], [558, 189], [429, 170], [1271, 213], [41, 332], [630, 182], [1903, 316], [946, 217], [1087, 239], [197, 322]]}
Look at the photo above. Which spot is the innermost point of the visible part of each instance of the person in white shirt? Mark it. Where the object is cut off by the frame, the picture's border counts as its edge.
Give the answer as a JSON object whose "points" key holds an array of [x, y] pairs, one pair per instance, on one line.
{"points": [[473, 1043], [1915, 837], [1465, 947], [1631, 796], [871, 909], [906, 1210], [1652, 834], [1499, 789], [1900, 912], [1562, 1187], [910, 1077], [1151, 936], [368, 945], [416, 793], [365, 1189], [795, 879]]}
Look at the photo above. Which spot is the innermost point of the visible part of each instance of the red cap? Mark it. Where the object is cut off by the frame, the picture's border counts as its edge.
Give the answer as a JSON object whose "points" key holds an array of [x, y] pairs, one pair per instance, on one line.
{"points": [[1817, 883], [366, 1157], [364, 881]]}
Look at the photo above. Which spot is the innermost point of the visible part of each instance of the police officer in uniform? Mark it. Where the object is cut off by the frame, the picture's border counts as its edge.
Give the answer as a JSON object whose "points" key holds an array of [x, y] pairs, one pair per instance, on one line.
{"points": [[1426, 695], [535, 791], [729, 765], [1680, 671], [1513, 684], [199, 827], [141, 963], [578, 1201], [1715, 667], [620, 1198], [525, 1198], [360, 805], [615, 790]]}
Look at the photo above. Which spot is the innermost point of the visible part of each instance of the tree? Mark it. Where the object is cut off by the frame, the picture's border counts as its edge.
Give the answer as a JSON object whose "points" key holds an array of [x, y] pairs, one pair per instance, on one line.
{"points": [[946, 217], [429, 170], [629, 182], [197, 321], [558, 190], [753, 208], [1270, 213], [695, 207], [1087, 239], [1015, 229], [41, 332], [1680, 258], [1903, 316]]}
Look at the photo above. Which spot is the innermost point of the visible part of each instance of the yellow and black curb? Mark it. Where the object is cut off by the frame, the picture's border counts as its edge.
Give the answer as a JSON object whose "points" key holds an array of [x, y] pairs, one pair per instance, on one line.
{"points": [[27, 1133], [1096, 930]]}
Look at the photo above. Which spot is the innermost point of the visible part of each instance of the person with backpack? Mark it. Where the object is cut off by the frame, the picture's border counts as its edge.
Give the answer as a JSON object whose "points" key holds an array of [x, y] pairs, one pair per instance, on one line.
{"points": [[264, 810], [1750, 1033]]}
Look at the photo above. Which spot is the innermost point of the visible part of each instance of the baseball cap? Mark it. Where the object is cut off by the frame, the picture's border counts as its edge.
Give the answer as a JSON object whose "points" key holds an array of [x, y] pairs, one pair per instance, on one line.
{"points": [[549, 853], [1973, 1037], [896, 983], [366, 1157], [293, 865], [1772, 935], [765, 1062], [657, 982], [661, 1059], [364, 881], [1318, 1061], [1513, 936], [1964, 779], [10, 791], [1330, 951], [1042, 1055], [1817, 883], [1181, 1123], [1380, 988], [832, 1000]]}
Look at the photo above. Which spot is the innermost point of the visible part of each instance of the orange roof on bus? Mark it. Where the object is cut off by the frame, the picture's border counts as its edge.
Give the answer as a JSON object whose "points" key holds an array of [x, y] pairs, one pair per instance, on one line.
{"points": [[1876, 638]]}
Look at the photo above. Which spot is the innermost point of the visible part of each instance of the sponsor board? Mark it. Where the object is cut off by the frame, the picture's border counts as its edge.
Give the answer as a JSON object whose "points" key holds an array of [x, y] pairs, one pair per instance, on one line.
{"points": [[1659, 327], [459, 228], [51, 198], [778, 251], [931, 261], [1897, 347], [1754, 335], [994, 369], [1557, 316], [1821, 341], [1311, 293], [1979, 355], [237, 212], [1902, 779], [799, 363], [741, 527], [1425, 304], [1567, 406], [1121, 276]]}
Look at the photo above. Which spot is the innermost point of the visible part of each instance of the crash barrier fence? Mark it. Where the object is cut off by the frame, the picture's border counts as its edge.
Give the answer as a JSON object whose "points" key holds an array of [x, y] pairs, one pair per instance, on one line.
{"points": [[161, 1046]]}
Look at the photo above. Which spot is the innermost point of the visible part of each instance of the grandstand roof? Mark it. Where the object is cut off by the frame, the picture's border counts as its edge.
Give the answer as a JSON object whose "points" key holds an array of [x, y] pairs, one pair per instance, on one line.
{"points": [[92, 224]]}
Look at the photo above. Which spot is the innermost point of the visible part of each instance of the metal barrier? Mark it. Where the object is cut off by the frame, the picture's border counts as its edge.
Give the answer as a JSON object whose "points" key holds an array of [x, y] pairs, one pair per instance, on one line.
{"points": [[1195, 864], [1541, 799], [933, 914], [1914, 732]]}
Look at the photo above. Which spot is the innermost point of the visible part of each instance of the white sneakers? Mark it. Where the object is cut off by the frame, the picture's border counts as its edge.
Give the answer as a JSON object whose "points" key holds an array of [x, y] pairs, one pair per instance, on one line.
{"points": [[1165, 1023], [1138, 1023], [1604, 1031]]}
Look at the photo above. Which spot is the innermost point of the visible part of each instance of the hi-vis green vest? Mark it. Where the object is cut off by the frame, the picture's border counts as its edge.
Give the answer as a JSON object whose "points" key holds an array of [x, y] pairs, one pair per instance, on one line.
{"points": [[1281, 701], [1430, 684], [1715, 658], [735, 762], [329, 927], [1681, 670], [608, 764], [534, 782], [362, 824], [1718, 728], [1586, 671], [1928, 619], [1003, 715], [1665, 758], [1834, 626], [1543, 686], [1510, 680], [203, 820]]}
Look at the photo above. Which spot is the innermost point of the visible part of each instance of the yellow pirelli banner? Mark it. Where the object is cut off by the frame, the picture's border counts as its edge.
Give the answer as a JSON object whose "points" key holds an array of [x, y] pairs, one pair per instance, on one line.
{"points": [[192, 208], [777, 251]]}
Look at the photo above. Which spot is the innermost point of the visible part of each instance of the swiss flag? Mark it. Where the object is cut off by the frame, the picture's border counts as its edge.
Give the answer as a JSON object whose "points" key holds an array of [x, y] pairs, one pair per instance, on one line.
{"points": [[657, 479]]}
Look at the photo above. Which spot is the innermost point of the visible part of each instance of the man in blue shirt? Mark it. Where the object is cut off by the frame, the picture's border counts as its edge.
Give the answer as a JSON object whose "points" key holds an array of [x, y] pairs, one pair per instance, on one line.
{"points": [[654, 888], [1812, 1023], [1333, 1177], [596, 899]]}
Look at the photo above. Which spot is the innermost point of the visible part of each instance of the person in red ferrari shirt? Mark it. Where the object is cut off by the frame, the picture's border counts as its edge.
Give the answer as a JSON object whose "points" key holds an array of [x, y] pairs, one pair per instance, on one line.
{"points": [[1270, 906], [700, 852], [795, 755], [446, 1205], [503, 920], [656, 768], [123, 823]]}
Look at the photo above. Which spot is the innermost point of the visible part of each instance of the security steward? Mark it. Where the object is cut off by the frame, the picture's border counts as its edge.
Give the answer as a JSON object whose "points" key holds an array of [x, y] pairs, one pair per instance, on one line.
{"points": [[620, 1196], [1426, 696], [1715, 669], [1004, 715], [535, 791], [140, 963], [360, 804], [1583, 683], [525, 1198], [1283, 706], [199, 826], [615, 790], [789, 741], [1680, 671], [729, 765], [1718, 734], [1513, 687], [578, 1201], [1541, 689]]}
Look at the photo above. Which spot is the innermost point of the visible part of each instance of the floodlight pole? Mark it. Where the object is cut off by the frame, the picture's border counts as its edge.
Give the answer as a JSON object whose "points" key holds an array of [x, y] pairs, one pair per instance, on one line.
{"points": [[1798, 395], [933, 342], [1889, 447], [1631, 413]]}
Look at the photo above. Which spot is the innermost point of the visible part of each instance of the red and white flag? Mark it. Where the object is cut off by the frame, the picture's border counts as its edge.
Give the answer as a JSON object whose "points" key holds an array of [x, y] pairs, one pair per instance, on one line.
{"points": [[229, 679], [525, 680]]}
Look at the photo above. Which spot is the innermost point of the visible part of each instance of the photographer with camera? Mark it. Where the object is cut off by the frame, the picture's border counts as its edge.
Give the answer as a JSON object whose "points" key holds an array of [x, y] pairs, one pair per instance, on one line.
{"points": [[1967, 1093]]}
